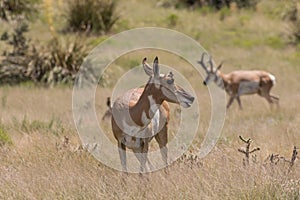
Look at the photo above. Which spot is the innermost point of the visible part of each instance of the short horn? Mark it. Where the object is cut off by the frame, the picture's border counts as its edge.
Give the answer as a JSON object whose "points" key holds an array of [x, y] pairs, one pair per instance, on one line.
{"points": [[156, 67], [201, 62]]}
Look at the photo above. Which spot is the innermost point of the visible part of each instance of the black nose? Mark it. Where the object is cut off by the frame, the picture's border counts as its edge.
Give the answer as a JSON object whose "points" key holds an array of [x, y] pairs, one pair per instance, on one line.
{"points": [[192, 99], [204, 83]]}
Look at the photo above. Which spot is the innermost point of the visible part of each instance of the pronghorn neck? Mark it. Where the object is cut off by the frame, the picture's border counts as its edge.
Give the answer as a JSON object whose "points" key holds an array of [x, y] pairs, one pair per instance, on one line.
{"points": [[222, 82], [146, 107]]}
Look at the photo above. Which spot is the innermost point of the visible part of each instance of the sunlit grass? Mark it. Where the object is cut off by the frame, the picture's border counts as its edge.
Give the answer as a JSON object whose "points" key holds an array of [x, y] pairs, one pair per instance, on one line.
{"points": [[45, 159]]}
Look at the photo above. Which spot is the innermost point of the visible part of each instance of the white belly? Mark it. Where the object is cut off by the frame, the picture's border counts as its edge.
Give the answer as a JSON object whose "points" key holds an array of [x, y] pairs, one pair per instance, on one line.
{"points": [[248, 87]]}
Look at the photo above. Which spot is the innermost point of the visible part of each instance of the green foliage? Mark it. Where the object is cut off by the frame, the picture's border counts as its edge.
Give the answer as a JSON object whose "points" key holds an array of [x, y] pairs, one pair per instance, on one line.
{"points": [[205, 10], [16, 9], [224, 12], [18, 40], [4, 36], [216, 4], [172, 20], [292, 14], [128, 63], [244, 19], [58, 63], [12, 67], [246, 43], [92, 15], [246, 3], [275, 42], [54, 126], [4, 137]]}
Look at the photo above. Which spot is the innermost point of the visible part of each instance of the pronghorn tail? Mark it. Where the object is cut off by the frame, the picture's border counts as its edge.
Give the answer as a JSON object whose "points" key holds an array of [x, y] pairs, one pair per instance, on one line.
{"points": [[273, 79]]}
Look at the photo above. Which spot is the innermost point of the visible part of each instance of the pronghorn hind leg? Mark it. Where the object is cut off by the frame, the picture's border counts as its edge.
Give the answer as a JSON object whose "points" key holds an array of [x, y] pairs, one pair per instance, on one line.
{"points": [[162, 140], [230, 102], [239, 102], [275, 99]]}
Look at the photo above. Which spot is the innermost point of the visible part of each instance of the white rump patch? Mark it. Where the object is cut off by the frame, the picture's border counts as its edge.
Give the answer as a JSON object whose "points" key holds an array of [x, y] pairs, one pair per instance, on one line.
{"points": [[248, 87], [273, 79]]}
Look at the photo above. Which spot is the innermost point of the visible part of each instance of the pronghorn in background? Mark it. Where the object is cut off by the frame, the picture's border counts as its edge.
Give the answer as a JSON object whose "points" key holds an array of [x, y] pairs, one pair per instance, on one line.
{"points": [[107, 114], [143, 113], [241, 82]]}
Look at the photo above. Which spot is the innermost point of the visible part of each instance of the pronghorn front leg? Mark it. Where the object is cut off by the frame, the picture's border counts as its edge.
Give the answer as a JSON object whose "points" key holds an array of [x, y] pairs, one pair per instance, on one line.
{"points": [[141, 154], [122, 154], [230, 101]]}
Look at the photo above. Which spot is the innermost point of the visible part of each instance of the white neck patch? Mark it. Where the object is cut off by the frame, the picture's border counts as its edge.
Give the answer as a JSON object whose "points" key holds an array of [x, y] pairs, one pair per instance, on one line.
{"points": [[153, 105]]}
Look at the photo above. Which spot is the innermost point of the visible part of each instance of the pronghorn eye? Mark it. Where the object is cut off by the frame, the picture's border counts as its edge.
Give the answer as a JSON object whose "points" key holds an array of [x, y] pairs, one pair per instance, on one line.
{"points": [[170, 81]]}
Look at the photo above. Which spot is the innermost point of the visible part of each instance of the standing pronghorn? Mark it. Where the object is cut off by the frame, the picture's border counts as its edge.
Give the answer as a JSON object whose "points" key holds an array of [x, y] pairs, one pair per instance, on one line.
{"points": [[143, 113], [238, 83]]}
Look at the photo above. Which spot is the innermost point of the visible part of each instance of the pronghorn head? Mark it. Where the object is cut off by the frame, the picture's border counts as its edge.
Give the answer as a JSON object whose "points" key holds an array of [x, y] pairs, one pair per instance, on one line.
{"points": [[163, 88], [212, 74]]}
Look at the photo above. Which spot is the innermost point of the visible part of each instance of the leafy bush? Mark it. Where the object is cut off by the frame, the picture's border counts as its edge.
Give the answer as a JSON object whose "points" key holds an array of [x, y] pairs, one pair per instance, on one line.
{"points": [[172, 20], [58, 62], [92, 15], [224, 12], [246, 3], [293, 16], [18, 40], [12, 68], [274, 42], [13, 9]]}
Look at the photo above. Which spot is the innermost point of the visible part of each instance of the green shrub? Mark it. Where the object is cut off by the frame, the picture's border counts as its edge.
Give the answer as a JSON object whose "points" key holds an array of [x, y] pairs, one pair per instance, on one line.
{"points": [[224, 12], [172, 20], [12, 67], [216, 4], [275, 42], [292, 15], [246, 3], [91, 15], [58, 63]]}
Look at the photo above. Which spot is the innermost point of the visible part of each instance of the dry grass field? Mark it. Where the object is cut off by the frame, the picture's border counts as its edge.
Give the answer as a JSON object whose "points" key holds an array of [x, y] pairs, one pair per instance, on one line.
{"points": [[41, 156]]}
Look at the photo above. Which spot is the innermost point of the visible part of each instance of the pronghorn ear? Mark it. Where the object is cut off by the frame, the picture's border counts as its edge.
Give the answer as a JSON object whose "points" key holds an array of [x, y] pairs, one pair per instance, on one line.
{"points": [[156, 67], [148, 70], [220, 65]]}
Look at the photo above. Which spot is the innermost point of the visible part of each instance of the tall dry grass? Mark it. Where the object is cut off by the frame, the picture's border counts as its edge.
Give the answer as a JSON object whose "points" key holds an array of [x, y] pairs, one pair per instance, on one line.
{"points": [[46, 160]]}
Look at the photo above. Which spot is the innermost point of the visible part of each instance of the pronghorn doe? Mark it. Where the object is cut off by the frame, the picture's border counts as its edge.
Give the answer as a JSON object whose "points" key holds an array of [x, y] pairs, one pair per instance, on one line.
{"points": [[143, 113], [241, 82]]}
